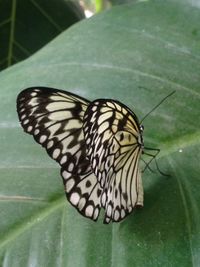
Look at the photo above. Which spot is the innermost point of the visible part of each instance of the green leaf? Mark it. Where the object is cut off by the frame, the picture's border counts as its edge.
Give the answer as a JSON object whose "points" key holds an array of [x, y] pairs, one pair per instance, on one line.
{"points": [[27, 25], [138, 54]]}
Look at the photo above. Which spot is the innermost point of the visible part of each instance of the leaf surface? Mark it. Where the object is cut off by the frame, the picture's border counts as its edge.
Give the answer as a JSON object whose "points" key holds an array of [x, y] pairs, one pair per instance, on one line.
{"points": [[136, 53]]}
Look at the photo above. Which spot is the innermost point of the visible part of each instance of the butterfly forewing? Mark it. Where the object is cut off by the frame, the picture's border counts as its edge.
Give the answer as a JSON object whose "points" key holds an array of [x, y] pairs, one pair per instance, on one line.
{"points": [[55, 120], [112, 136]]}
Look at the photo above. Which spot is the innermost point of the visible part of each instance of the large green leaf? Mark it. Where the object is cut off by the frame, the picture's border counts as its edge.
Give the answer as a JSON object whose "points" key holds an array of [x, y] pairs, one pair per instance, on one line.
{"points": [[135, 53]]}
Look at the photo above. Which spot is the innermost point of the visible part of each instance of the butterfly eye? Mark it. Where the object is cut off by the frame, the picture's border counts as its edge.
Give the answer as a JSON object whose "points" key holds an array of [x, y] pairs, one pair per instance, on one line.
{"points": [[141, 128]]}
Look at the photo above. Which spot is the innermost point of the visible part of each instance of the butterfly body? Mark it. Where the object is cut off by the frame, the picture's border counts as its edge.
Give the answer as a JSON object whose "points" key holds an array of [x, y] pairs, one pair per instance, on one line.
{"points": [[97, 144]]}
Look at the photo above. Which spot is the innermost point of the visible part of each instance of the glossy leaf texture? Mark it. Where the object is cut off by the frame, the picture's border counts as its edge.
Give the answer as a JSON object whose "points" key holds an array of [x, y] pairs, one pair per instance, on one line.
{"points": [[137, 54], [27, 25]]}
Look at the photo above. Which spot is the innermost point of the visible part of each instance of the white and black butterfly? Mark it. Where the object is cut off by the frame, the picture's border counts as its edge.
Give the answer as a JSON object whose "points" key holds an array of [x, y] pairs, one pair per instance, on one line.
{"points": [[97, 144]]}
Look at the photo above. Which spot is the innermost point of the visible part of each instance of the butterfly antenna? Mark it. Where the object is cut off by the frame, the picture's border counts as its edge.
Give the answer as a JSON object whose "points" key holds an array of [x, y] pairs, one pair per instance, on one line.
{"points": [[157, 106]]}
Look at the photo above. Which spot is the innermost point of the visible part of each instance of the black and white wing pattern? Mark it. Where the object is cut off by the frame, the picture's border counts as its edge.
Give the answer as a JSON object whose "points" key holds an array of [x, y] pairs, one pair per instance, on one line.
{"points": [[55, 119], [114, 144], [98, 146]]}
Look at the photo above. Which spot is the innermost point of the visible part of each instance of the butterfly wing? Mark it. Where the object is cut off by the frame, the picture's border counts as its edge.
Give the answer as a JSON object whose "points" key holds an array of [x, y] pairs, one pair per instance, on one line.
{"points": [[84, 193], [55, 119], [114, 145]]}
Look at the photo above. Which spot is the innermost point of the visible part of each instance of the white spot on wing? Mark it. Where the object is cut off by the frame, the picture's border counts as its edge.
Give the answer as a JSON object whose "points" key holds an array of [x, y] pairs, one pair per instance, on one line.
{"points": [[56, 153], [36, 131], [116, 215], [70, 167], [89, 210], [66, 175], [103, 199], [123, 213], [43, 138], [26, 121], [74, 198], [107, 220], [23, 116], [94, 108], [29, 128], [33, 94], [96, 213], [81, 203], [69, 185], [130, 209], [88, 141], [59, 105], [63, 160], [109, 211], [50, 144]]}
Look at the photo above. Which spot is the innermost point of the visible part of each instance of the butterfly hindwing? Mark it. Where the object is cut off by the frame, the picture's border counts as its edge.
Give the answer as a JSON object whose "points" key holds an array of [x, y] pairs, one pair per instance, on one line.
{"points": [[114, 145], [84, 193]]}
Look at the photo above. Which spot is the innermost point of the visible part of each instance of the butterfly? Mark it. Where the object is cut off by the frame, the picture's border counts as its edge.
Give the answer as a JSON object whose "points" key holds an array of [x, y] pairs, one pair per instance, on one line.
{"points": [[97, 144]]}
